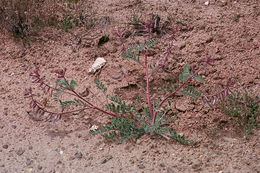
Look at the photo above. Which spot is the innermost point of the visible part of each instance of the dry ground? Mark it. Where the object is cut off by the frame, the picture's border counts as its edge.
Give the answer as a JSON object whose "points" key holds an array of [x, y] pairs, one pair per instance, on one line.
{"points": [[228, 30]]}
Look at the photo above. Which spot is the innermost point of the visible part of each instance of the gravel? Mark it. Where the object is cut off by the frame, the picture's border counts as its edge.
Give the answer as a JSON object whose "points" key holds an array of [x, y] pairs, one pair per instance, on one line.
{"points": [[20, 151]]}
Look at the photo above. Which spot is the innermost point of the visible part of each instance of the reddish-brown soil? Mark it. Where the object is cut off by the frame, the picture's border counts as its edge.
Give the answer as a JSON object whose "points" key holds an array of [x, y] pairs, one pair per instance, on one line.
{"points": [[227, 29]]}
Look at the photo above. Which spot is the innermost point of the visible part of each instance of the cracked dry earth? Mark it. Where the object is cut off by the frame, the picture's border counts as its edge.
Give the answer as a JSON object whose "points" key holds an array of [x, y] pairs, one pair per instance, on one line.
{"points": [[28, 146]]}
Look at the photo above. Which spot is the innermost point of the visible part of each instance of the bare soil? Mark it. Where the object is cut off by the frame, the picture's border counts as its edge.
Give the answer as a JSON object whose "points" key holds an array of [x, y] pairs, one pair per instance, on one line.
{"points": [[227, 29]]}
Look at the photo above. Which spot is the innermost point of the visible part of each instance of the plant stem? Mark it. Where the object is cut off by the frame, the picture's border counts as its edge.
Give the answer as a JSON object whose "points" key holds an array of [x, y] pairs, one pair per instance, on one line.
{"points": [[92, 105], [95, 107], [68, 112], [174, 92], [148, 95]]}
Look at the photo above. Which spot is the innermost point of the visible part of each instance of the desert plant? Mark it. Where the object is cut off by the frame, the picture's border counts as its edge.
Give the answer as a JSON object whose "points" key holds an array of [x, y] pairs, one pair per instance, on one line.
{"points": [[146, 27], [15, 19], [244, 109], [67, 22], [151, 117], [147, 115]]}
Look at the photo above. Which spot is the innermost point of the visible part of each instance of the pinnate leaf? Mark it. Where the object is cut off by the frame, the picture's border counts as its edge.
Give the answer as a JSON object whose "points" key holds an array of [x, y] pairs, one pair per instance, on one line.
{"points": [[100, 85], [185, 74]]}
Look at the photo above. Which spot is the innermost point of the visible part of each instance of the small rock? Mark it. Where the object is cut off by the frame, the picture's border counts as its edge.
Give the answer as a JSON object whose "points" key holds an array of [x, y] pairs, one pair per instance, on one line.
{"points": [[29, 162], [5, 146], [105, 159], [196, 166], [78, 155], [61, 152], [94, 127], [30, 147], [162, 165], [141, 166], [182, 45], [223, 2], [169, 170], [138, 141], [14, 126], [118, 142], [39, 167], [206, 3], [20, 151], [98, 64], [180, 159], [29, 169]]}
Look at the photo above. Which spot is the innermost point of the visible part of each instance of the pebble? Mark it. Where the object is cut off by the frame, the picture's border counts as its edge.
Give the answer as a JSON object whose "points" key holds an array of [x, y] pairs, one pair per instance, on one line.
{"points": [[5, 146], [141, 166], [169, 170], [162, 165], [30, 147], [105, 159], [14, 126], [20, 151], [29, 162], [138, 141], [78, 155], [197, 166]]}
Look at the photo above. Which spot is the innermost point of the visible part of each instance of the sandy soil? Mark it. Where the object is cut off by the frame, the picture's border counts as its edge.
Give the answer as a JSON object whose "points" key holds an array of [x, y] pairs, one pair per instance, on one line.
{"points": [[228, 30]]}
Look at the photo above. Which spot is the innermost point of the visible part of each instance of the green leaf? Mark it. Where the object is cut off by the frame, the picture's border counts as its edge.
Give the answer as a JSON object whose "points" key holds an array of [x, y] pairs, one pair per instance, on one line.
{"points": [[70, 102], [147, 113], [119, 128], [110, 135], [129, 54], [185, 74], [63, 82], [133, 51], [57, 94], [73, 83], [180, 138], [111, 107], [150, 43], [100, 85], [191, 92], [139, 99], [116, 100], [66, 103], [197, 77]]}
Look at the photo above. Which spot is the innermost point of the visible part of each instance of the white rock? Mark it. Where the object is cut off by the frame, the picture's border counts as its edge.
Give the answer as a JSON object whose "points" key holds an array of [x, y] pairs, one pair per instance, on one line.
{"points": [[206, 3], [98, 64], [94, 127], [61, 152]]}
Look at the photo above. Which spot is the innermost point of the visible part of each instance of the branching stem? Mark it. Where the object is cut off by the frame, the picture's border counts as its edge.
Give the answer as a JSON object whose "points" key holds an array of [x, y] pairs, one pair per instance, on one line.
{"points": [[92, 105], [148, 94], [174, 92]]}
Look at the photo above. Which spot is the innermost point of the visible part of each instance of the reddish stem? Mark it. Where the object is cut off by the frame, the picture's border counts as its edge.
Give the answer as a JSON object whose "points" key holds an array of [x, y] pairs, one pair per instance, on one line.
{"points": [[174, 92], [93, 106], [148, 95], [77, 110]]}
